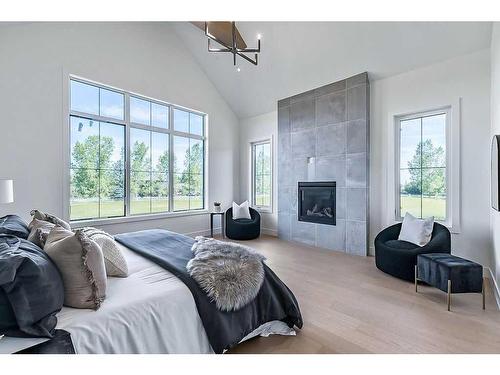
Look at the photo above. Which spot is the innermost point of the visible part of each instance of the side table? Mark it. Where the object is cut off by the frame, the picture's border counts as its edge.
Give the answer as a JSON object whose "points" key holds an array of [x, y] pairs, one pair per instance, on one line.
{"points": [[212, 214]]}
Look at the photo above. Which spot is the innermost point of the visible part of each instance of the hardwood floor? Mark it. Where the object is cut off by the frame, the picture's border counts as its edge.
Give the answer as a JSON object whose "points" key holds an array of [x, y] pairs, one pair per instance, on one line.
{"points": [[349, 306]]}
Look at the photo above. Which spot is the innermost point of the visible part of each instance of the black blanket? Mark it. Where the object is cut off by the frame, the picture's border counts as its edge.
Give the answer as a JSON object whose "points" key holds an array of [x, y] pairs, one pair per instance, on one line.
{"points": [[31, 289], [172, 251]]}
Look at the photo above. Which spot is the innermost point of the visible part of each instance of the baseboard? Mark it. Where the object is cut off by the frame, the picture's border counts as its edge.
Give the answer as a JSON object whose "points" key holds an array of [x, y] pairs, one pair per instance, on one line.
{"points": [[270, 232], [371, 251], [494, 285]]}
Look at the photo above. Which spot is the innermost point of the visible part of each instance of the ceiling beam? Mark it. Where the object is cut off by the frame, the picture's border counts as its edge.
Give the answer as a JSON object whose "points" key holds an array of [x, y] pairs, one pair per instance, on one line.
{"points": [[222, 30]]}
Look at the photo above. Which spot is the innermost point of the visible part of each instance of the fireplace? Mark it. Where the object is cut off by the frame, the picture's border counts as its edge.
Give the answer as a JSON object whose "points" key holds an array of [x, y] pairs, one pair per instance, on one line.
{"points": [[316, 202]]}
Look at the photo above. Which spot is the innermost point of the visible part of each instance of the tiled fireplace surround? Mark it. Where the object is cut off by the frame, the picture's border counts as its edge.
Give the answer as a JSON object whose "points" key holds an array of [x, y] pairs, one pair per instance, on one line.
{"points": [[323, 135]]}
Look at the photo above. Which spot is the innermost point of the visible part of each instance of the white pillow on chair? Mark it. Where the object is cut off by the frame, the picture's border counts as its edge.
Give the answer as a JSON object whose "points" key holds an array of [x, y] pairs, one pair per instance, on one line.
{"points": [[241, 211], [417, 231]]}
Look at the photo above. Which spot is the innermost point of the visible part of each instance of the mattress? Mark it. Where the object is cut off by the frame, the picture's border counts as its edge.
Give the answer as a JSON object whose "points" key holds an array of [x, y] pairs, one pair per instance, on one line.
{"points": [[150, 311]]}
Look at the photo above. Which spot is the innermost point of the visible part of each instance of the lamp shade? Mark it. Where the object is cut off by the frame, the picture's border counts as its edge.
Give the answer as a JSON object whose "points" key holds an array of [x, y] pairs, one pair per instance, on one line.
{"points": [[6, 191]]}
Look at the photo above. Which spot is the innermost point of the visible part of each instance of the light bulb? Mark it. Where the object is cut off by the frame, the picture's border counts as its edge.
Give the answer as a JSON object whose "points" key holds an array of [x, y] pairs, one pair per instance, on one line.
{"points": [[238, 69], [259, 36]]}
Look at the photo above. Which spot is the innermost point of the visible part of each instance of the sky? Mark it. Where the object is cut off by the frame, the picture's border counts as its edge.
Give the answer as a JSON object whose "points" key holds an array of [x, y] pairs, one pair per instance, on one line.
{"points": [[91, 99]]}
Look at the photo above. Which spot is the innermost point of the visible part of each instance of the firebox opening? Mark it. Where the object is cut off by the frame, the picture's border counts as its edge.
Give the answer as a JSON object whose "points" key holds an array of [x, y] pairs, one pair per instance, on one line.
{"points": [[317, 202]]}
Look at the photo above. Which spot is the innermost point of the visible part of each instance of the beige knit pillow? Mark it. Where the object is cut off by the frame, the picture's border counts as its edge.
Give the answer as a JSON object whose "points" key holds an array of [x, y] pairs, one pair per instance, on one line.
{"points": [[36, 214], [39, 230], [81, 264], [115, 262]]}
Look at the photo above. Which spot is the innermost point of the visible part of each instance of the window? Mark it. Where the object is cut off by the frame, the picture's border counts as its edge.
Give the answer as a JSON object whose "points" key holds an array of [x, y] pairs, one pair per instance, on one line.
{"points": [[262, 174], [127, 160], [423, 165]]}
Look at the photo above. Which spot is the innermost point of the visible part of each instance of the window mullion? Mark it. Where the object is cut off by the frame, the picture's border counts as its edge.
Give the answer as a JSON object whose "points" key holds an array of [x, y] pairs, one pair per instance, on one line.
{"points": [[398, 175], [89, 116], [150, 168], [189, 179], [170, 162], [99, 166], [421, 168], [127, 156]]}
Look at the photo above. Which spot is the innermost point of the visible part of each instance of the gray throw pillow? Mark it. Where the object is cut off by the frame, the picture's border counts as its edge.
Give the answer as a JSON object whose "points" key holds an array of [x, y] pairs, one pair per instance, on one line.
{"points": [[81, 264], [36, 214], [39, 230], [115, 262]]}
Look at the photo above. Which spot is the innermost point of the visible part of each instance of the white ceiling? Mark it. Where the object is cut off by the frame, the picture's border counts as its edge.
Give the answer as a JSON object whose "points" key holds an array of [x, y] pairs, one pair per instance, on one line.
{"points": [[299, 56]]}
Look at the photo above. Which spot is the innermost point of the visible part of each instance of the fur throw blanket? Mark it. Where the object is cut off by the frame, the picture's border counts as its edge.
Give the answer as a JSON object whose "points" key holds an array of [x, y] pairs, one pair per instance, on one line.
{"points": [[231, 274]]}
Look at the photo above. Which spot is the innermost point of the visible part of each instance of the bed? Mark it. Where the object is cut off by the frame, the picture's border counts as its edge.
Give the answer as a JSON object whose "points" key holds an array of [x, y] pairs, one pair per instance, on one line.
{"points": [[150, 311]]}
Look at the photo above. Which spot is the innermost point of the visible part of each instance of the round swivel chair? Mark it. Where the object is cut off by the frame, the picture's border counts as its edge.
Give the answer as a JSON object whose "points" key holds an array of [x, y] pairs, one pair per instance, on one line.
{"points": [[398, 258], [242, 229]]}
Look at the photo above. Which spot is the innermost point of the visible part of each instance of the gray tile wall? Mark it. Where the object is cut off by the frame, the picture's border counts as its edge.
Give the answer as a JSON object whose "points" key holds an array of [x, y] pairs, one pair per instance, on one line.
{"points": [[323, 135]]}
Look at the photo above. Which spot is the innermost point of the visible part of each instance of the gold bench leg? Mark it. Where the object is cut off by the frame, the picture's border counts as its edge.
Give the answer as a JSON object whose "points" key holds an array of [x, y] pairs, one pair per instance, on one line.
{"points": [[416, 290], [449, 294], [484, 297]]}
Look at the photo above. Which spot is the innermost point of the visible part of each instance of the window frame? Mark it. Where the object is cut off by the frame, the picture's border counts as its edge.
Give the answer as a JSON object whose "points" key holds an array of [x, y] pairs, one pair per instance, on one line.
{"points": [[447, 110], [128, 217], [267, 209]]}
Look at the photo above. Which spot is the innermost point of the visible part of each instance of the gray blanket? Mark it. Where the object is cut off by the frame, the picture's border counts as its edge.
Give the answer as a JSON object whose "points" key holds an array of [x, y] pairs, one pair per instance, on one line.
{"points": [[224, 329], [31, 289]]}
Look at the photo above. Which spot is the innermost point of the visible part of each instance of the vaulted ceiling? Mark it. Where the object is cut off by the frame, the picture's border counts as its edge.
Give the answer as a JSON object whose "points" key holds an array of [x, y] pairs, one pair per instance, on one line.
{"points": [[298, 56]]}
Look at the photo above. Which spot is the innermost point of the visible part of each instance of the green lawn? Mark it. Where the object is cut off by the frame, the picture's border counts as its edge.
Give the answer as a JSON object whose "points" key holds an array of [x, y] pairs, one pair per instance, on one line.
{"points": [[90, 209], [262, 200], [431, 206]]}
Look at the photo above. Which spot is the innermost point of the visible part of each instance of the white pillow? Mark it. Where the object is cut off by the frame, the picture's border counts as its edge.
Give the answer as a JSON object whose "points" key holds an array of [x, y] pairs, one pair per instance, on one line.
{"points": [[417, 231], [241, 211], [115, 262]]}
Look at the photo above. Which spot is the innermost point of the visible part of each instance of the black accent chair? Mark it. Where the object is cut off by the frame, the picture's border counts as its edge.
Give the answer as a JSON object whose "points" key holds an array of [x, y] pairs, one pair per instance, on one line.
{"points": [[398, 258], [243, 229]]}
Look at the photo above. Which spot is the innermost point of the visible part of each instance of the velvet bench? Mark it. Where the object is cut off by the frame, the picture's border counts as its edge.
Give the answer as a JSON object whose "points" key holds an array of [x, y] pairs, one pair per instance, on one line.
{"points": [[450, 273]]}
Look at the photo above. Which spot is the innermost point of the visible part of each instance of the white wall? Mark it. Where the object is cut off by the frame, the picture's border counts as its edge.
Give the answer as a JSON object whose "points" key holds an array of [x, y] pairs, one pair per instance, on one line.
{"points": [[254, 129], [146, 58], [495, 129], [466, 77]]}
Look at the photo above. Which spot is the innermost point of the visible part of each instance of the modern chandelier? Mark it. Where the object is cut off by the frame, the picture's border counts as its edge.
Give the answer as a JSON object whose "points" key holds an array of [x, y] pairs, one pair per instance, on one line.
{"points": [[236, 45]]}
